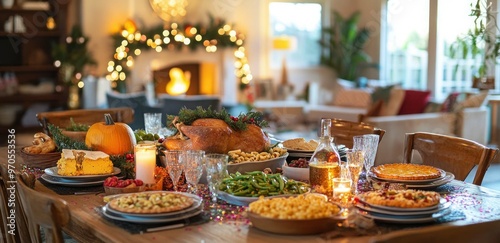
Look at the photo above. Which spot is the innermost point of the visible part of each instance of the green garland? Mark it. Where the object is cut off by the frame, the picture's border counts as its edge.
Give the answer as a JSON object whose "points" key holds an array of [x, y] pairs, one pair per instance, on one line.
{"points": [[217, 34]]}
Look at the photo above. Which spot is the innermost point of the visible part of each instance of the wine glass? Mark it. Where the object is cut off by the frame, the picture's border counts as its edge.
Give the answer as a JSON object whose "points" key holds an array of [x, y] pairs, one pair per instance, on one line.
{"points": [[192, 164], [355, 161], [174, 166], [216, 166], [367, 143]]}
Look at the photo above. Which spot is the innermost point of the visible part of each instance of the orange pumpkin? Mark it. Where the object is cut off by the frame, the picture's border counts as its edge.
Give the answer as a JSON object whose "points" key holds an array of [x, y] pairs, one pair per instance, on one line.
{"points": [[113, 138]]}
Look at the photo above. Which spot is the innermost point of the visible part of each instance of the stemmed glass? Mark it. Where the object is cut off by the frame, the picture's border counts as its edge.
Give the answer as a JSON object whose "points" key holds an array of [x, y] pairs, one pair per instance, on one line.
{"points": [[355, 161], [216, 166], [174, 165], [367, 143], [192, 164]]}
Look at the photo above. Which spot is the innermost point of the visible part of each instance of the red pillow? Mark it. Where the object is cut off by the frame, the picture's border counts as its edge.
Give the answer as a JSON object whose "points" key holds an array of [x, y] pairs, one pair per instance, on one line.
{"points": [[414, 102]]}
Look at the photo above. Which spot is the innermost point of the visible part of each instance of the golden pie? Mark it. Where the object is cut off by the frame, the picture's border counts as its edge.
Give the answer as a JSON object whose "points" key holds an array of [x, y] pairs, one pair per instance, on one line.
{"points": [[158, 202], [401, 198], [402, 171]]}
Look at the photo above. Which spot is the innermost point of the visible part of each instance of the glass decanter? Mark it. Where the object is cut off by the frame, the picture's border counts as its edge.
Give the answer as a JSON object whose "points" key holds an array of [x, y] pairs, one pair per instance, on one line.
{"points": [[324, 163]]}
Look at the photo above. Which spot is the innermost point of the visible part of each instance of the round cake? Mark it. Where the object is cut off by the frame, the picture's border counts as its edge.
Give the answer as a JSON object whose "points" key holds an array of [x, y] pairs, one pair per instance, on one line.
{"points": [[400, 171]]}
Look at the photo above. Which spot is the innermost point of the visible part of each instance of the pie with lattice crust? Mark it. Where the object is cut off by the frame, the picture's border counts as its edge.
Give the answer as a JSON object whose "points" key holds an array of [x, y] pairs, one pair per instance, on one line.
{"points": [[150, 203], [401, 198], [400, 171]]}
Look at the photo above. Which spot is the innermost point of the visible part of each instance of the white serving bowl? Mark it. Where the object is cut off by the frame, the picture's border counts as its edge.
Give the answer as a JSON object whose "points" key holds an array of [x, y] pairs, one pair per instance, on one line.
{"points": [[299, 174], [249, 166]]}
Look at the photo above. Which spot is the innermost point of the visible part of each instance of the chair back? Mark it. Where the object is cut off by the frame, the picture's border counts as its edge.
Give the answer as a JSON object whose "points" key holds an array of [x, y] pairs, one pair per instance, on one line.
{"points": [[478, 232], [19, 230], [343, 131], [171, 105], [84, 116], [453, 154], [42, 211]]}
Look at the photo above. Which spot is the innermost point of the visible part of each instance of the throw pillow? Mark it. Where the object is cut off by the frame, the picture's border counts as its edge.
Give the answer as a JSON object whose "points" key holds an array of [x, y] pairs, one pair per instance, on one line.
{"points": [[393, 105], [414, 102], [474, 100], [353, 98]]}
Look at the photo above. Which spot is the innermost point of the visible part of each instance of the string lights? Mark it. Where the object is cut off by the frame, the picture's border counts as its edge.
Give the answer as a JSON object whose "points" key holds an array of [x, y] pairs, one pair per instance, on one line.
{"points": [[130, 43]]}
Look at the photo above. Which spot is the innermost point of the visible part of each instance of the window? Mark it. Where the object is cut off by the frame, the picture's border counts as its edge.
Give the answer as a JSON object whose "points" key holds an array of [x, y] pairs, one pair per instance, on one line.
{"points": [[417, 28], [298, 24]]}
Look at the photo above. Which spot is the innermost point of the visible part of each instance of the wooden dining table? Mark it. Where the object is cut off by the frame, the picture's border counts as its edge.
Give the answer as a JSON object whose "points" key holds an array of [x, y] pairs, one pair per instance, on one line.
{"points": [[470, 204]]}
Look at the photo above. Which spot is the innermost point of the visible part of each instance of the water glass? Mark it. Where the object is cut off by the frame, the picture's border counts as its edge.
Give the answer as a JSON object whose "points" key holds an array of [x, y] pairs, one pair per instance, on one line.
{"points": [[369, 144], [216, 167], [173, 159], [152, 122], [192, 164], [355, 162]]}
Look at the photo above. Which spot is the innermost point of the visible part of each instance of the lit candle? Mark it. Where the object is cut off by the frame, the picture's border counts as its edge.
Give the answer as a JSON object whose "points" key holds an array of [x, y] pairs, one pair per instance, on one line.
{"points": [[341, 190], [145, 162]]}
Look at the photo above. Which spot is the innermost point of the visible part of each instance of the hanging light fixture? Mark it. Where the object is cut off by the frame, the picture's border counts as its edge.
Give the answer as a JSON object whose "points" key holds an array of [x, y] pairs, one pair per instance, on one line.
{"points": [[169, 10]]}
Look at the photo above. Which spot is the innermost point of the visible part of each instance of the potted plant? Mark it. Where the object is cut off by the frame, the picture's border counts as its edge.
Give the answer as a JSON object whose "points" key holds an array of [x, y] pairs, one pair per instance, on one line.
{"points": [[481, 43], [343, 44]]}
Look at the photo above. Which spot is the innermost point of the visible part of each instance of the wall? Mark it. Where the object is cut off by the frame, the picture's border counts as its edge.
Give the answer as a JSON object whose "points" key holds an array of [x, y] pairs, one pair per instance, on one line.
{"points": [[100, 19]]}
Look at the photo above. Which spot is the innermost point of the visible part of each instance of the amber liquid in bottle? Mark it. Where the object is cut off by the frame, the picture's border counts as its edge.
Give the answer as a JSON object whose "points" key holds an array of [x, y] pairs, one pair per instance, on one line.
{"points": [[324, 163]]}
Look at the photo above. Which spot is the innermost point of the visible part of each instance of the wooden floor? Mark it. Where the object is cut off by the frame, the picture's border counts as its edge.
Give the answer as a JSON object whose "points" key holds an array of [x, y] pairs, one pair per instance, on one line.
{"points": [[491, 178]]}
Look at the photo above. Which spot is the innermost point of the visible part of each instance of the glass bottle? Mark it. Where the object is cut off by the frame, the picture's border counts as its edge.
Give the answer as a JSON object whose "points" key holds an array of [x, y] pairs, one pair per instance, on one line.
{"points": [[324, 163]]}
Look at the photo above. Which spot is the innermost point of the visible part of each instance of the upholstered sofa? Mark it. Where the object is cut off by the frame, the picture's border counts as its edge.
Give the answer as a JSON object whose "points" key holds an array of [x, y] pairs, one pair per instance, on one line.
{"points": [[467, 118]]}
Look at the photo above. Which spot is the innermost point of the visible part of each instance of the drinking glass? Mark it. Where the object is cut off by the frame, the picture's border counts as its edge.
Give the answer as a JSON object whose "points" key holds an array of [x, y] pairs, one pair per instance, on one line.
{"points": [[367, 143], [216, 166], [174, 165], [192, 164], [152, 122], [355, 161]]}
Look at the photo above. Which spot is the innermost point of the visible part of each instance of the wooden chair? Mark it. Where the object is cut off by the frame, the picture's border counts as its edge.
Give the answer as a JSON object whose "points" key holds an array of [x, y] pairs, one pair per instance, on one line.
{"points": [[453, 154], [84, 116], [21, 226], [42, 211], [343, 131], [478, 232]]}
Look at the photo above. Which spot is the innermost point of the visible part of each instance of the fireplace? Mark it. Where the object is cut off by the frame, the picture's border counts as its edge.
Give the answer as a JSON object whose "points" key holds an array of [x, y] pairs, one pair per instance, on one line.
{"points": [[201, 78]]}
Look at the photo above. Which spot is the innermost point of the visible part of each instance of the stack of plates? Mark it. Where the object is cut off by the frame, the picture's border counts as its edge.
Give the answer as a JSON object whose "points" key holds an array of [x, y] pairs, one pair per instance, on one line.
{"points": [[52, 177], [404, 215], [417, 184], [153, 218]]}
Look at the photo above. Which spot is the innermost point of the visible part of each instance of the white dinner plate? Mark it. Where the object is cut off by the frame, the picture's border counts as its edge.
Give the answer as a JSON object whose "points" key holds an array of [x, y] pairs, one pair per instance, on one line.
{"points": [[447, 178], [52, 171], [443, 204], [119, 217], [407, 182], [405, 220], [196, 204], [398, 209], [64, 182]]}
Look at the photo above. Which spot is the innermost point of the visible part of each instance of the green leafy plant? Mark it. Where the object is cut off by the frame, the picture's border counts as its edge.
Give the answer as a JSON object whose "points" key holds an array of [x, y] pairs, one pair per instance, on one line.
{"points": [[344, 43], [77, 127], [481, 41]]}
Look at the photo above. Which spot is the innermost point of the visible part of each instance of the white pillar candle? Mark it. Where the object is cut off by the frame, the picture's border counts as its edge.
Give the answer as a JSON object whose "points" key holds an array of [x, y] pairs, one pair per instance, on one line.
{"points": [[145, 162]]}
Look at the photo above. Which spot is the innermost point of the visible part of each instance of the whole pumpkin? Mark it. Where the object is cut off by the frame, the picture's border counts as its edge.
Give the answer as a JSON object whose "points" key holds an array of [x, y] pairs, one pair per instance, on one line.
{"points": [[113, 138]]}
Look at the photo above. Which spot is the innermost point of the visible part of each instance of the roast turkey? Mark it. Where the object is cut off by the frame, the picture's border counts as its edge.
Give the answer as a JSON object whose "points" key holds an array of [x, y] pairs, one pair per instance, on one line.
{"points": [[216, 136]]}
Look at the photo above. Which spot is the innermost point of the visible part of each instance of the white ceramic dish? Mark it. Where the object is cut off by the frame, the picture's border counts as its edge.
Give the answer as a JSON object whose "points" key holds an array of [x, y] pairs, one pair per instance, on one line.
{"points": [[64, 182], [112, 215], [405, 220], [443, 174], [52, 171], [273, 164], [448, 178], [196, 204], [441, 206], [396, 209], [298, 174]]}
